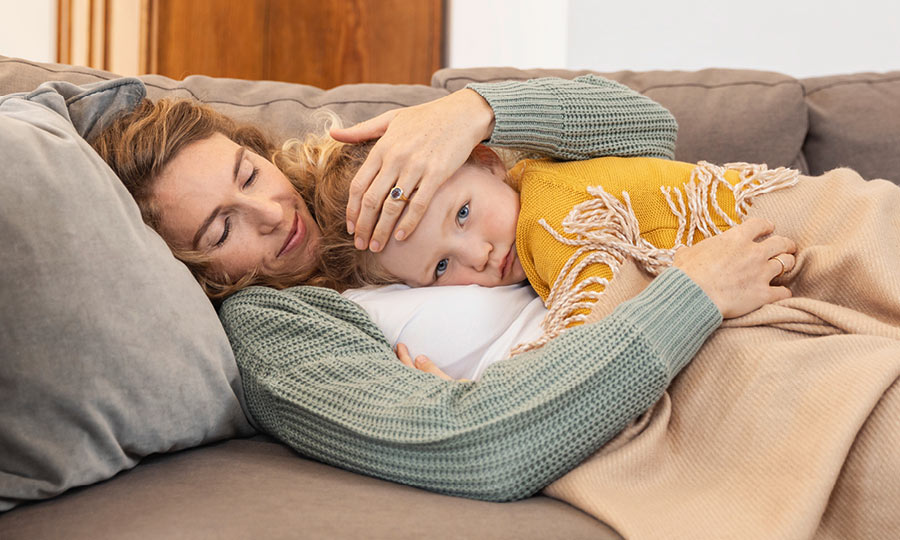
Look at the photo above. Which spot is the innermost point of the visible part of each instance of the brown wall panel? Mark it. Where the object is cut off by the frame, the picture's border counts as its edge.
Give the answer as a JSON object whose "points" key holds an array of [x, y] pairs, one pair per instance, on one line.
{"points": [[319, 42], [331, 42], [220, 38]]}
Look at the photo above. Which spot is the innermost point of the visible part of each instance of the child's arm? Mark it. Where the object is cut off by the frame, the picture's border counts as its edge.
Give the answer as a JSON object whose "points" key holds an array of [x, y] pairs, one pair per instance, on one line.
{"points": [[319, 376], [578, 119]]}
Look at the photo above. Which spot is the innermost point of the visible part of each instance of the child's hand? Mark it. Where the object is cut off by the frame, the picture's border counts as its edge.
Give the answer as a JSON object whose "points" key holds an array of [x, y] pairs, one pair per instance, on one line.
{"points": [[422, 363]]}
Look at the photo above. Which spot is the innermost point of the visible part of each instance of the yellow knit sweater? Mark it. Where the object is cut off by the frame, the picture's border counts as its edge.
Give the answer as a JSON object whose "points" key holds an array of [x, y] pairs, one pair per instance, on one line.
{"points": [[550, 191]]}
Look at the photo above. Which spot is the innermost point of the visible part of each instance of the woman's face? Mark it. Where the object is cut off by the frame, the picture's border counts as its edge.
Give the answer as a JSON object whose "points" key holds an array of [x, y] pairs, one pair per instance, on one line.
{"points": [[219, 198]]}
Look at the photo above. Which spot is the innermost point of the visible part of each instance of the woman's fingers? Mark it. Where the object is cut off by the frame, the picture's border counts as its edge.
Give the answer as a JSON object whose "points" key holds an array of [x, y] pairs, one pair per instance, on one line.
{"points": [[359, 186], [436, 137], [364, 131], [782, 264], [754, 228], [410, 197], [736, 268], [376, 205], [419, 203]]}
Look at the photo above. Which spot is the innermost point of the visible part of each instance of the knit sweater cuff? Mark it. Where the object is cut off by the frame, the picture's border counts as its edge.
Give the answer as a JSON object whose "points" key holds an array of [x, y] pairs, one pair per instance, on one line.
{"points": [[585, 117], [523, 113], [676, 339]]}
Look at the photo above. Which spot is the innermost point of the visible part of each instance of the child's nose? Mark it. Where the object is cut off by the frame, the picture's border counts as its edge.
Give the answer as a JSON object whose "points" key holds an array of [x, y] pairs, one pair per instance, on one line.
{"points": [[480, 256]]}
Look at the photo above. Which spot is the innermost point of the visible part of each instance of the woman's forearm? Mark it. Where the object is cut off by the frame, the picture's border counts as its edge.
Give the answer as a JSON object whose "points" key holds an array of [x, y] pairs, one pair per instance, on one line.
{"points": [[589, 116], [319, 376]]}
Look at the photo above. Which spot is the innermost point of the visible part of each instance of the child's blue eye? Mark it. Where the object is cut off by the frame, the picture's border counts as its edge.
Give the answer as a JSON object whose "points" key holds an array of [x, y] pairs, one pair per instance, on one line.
{"points": [[463, 214], [441, 268]]}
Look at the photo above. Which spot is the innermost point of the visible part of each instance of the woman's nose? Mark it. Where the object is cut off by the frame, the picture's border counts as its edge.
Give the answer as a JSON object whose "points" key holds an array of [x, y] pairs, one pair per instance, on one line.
{"points": [[267, 213]]}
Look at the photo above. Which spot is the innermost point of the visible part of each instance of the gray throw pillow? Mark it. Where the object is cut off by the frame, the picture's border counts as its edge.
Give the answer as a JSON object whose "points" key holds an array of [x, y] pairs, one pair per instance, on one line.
{"points": [[109, 351]]}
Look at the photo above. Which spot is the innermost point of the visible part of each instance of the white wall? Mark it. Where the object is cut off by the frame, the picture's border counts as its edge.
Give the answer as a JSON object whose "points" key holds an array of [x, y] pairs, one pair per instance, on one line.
{"points": [[521, 33], [28, 29], [798, 37]]}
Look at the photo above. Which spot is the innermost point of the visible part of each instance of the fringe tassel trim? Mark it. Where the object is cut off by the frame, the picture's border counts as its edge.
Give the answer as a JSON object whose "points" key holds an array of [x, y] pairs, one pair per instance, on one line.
{"points": [[606, 231]]}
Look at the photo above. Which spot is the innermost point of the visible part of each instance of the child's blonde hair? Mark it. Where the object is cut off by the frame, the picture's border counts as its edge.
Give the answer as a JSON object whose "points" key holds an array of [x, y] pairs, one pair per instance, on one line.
{"points": [[321, 169]]}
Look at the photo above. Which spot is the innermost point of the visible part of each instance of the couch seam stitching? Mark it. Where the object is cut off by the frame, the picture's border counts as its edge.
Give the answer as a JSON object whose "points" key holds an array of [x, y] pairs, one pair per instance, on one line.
{"points": [[679, 85], [195, 96], [844, 83]]}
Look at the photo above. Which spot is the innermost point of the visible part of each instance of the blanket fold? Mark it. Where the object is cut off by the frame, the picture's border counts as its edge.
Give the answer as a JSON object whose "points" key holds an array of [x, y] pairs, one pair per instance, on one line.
{"points": [[787, 422]]}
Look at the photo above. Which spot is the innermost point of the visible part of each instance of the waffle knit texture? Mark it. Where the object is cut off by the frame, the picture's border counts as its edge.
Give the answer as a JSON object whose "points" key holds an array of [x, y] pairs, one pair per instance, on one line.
{"points": [[319, 376], [579, 119], [550, 190]]}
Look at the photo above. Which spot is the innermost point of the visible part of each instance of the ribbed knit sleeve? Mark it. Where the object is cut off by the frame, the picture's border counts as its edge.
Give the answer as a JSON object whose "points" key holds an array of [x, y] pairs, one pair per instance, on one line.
{"points": [[586, 117], [319, 376]]}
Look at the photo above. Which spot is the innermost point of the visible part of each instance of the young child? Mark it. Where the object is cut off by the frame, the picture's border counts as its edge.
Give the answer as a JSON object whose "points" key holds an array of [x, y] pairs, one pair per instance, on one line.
{"points": [[566, 227]]}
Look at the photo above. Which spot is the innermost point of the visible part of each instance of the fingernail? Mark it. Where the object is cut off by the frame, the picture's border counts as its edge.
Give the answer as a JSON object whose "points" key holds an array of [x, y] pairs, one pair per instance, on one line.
{"points": [[359, 243], [350, 227], [400, 235], [375, 245]]}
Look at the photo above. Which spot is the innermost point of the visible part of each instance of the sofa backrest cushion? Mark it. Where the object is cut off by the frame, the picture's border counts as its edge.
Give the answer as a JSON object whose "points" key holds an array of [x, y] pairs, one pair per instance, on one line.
{"points": [[723, 115], [110, 350], [281, 109], [854, 121]]}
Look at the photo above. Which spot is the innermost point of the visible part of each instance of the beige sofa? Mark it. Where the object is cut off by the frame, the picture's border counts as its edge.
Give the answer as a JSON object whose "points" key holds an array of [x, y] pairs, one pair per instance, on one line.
{"points": [[240, 487]]}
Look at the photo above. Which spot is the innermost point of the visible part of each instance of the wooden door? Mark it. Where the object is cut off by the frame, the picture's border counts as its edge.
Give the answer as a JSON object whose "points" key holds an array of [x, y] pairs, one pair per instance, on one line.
{"points": [[320, 42]]}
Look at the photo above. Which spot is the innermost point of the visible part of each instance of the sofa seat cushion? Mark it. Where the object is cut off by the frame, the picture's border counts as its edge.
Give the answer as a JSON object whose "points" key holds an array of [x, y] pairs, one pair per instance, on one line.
{"points": [[256, 488]]}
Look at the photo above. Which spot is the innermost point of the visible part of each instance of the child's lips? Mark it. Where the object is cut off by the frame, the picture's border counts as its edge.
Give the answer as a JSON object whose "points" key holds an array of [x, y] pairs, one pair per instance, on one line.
{"points": [[507, 263]]}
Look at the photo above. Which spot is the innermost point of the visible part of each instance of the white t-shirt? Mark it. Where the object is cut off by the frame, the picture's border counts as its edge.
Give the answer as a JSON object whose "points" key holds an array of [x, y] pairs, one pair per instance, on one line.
{"points": [[462, 329]]}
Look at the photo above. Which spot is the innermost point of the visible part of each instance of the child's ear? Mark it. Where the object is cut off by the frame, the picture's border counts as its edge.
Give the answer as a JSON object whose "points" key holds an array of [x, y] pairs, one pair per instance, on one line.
{"points": [[488, 158]]}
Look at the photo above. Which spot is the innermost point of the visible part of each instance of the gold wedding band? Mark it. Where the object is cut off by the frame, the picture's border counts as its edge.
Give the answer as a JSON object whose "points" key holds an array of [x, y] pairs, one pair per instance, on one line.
{"points": [[397, 194], [783, 266]]}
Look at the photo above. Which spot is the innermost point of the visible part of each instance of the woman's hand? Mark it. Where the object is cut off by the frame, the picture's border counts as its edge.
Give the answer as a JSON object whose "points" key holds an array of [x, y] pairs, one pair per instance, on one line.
{"points": [[735, 269], [421, 362], [420, 147]]}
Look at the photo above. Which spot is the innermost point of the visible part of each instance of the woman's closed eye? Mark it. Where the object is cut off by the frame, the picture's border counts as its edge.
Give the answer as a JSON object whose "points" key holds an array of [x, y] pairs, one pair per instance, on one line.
{"points": [[225, 232], [227, 228], [251, 178]]}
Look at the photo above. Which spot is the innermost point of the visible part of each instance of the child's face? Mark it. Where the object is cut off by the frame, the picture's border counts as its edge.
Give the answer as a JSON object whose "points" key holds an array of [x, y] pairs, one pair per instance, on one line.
{"points": [[467, 235]]}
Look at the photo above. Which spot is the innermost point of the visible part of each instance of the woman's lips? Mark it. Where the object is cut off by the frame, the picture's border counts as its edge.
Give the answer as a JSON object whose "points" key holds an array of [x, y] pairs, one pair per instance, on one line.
{"points": [[294, 237]]}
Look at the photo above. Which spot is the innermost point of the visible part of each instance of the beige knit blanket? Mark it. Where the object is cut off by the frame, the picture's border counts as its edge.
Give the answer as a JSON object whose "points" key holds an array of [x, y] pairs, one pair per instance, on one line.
{"points": [[787, 422]]}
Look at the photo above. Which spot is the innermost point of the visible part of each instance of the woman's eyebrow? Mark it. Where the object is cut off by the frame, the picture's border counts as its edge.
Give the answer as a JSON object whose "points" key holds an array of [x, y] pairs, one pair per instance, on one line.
{"points": [[202, 230], [239, 156]]}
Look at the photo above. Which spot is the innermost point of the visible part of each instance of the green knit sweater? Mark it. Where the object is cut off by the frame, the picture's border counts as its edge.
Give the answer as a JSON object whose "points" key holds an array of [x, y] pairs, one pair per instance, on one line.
{"points": [[320, 376], [587, 117]]}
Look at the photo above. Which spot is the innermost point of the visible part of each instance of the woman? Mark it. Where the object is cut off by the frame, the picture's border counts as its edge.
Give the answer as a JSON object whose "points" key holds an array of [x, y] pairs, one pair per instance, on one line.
{"points": [[318, 374]]}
